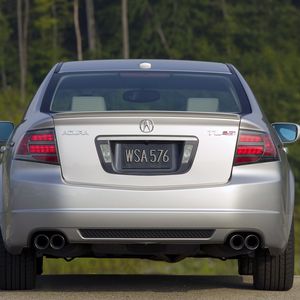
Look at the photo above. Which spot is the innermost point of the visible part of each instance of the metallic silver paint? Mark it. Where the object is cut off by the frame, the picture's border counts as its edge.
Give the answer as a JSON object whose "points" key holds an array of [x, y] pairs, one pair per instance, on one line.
{"points": [[49, 202], [210, 165]]}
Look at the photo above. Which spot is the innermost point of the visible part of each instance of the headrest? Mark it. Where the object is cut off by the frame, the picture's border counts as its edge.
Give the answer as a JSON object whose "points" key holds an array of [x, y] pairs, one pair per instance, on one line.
{"points": [[88, 103], [203, 104]]}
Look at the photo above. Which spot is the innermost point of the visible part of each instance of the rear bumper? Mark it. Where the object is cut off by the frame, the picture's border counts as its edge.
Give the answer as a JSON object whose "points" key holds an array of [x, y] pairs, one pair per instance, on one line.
{"points": [[255, 199]]}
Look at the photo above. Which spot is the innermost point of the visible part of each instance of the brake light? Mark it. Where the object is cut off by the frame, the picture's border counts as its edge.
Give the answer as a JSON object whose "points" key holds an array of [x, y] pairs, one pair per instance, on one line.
{"points": [[43, 137], [40, 146], [254, 147]]}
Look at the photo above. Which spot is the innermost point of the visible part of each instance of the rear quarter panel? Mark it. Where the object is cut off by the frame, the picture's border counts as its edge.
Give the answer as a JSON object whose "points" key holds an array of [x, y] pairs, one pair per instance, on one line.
{"points": [[257, 119]]}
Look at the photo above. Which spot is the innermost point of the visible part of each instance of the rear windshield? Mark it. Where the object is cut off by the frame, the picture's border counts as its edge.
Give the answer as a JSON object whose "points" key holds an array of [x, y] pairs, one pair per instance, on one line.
{"points": [[146, 91]]}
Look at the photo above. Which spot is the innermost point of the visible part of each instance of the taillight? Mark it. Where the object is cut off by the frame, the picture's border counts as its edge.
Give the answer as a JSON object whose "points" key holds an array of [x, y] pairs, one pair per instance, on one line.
{"points": [[254, 147], [38, 145]]}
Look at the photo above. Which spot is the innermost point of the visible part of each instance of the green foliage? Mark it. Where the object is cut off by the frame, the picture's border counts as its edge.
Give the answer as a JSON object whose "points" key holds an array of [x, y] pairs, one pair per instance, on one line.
{"points": [[260, 37], [10, 107], [4, 36], [46, 41]]}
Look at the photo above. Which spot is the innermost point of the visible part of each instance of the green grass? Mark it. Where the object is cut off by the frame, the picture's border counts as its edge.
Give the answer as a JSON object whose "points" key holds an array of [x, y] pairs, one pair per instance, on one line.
{"points": [[191, 266]]}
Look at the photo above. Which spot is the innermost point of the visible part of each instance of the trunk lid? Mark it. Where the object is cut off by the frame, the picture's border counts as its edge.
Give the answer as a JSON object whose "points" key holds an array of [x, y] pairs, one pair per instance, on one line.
{"points": [[214, 134]]}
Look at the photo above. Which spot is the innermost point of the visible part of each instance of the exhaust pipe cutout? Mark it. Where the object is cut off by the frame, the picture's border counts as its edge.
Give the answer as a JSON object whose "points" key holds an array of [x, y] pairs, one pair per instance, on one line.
{"points": [[41, 242], [57, 241], [237, 242], [252, 242]]}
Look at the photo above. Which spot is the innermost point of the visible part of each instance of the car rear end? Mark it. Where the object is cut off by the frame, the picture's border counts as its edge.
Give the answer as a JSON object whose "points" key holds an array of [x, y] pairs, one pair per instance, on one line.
{"points": [[165, 162]]}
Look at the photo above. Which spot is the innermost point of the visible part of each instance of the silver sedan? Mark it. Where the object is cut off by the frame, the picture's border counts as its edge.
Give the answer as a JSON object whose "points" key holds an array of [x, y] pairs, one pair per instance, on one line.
{"points": [[154, 159]]}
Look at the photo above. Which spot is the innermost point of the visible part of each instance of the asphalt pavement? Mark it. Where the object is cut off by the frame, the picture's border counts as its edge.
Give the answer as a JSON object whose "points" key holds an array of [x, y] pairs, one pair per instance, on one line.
{"points": [[139, 287]]}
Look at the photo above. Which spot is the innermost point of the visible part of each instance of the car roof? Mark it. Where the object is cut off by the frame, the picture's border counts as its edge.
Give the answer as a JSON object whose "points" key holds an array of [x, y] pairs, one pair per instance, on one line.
{"points": [[134, 65]]}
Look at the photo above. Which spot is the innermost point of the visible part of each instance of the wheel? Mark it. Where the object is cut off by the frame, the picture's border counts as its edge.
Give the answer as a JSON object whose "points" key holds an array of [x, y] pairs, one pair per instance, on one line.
{"points": [[245, 266], [275, 273], [17, 272]]}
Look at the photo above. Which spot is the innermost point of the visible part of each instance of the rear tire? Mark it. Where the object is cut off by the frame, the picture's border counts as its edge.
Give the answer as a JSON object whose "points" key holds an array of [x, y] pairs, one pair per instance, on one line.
{"points": [[275, 273], [17, 272], [39, 266], [245, 266]]}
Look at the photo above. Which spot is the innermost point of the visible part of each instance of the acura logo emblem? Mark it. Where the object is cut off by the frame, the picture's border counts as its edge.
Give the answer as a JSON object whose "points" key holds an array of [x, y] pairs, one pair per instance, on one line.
{"points": [[146, 126]]}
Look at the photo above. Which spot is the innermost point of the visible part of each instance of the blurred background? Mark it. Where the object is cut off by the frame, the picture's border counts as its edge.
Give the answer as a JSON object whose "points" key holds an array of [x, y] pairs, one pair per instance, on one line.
{"points": [[260, 37]]}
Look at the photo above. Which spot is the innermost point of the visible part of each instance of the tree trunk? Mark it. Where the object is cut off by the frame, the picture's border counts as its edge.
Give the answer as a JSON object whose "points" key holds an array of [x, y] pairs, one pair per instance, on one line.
{"points": [[77, 30], [226, 27], [23, 20], [3, 76], [54, 34], [159, 30], [125, 29], [91, 27]]}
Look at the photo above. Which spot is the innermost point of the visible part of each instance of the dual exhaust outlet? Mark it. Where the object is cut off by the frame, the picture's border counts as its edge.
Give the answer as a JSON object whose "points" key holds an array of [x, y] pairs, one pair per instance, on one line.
{"points": [[55, 241], [250, 241]]}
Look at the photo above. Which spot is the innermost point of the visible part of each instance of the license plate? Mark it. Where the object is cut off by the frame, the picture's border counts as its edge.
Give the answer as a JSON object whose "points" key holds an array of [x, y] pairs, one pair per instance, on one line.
{"points": [[147, 156]]}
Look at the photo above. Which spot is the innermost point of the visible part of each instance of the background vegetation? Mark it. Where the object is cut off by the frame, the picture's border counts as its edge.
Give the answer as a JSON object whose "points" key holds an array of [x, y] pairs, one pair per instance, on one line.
{"points": [[260, 37]]}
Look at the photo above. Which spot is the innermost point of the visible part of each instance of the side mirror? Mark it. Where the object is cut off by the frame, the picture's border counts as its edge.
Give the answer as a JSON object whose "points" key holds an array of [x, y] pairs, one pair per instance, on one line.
{"points": [[6, 129], [287, 132]]}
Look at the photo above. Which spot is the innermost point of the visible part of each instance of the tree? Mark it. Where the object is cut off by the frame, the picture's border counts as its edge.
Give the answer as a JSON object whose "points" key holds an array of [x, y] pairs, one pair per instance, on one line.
{"points": [[125, 30], [91, 27], [23, 18], [159, 30], [4, 36], [77, 29], [45, 46]]}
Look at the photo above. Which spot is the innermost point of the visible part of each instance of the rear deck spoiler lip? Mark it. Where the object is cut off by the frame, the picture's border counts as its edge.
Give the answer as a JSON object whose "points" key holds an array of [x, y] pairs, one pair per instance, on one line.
{"points": [[146, 114]]}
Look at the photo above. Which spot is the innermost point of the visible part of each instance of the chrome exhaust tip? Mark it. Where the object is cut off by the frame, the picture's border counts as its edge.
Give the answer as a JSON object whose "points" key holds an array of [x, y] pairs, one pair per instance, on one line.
{"points": [[252, 242], [57, 241], [41, 242], [237, 242]]}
